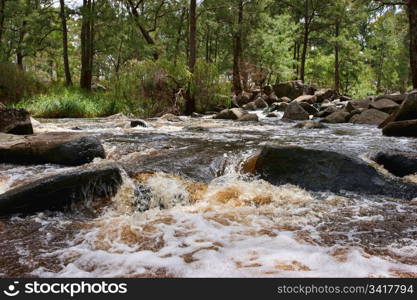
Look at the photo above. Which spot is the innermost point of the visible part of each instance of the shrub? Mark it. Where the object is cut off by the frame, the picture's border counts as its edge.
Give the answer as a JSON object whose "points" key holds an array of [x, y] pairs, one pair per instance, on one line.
{"points": [[16, 83]]}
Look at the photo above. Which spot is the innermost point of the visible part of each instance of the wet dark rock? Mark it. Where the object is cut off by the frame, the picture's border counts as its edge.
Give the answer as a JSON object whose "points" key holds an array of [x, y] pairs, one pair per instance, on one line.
{"points": [[401, 128], [76, 128], [294, 111], [268, 90], [403, 121], [71, 149], [293, 89], [59, 191], [361, 103], [231, 114], [327, 111], [309, 108], [260, 103], [138, 123], [397, 97], [385, 105], [340, 116], [310, 125], [271, 99], [370, 117], [15, 121], [319, 170], [398, 163], [196, 115], [325, 94], [272, 115]]}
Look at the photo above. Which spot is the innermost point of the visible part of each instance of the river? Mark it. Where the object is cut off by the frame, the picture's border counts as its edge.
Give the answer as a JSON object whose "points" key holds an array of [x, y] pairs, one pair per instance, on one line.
{"points": [[186, 209]]}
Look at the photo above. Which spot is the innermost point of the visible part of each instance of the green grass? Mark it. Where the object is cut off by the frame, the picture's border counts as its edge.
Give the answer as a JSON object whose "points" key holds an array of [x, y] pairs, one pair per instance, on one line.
{"points": [[73, 103]]}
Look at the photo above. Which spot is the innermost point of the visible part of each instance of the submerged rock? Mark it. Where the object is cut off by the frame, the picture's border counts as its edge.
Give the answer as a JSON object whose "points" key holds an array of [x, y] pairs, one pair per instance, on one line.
{"points": [[320, 170], [398, 163], [310, 125], [15, 121], [71, 149], [171, 118], [59, 191]]}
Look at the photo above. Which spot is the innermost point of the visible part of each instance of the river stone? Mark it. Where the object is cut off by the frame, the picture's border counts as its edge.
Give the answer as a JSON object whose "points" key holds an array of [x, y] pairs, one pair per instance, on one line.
{"points": [[294, 111], [320, 170], [15, 121], [385, 105], [63, 148], [370, 117], [171, 118], [401, 128], [292, 89], [231, 114], [309, 108], [325, 94], [250, 106], [398, 163], [327, 111], [397, 97], [260, 103], [340, 116], [249, 118], [307, 98], [138, 123], [58, 191]]}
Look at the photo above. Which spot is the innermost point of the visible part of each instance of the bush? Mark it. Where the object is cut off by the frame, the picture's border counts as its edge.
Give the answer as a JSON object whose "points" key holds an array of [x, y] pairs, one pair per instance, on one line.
{"points": [[73, 103], [16, 83]]}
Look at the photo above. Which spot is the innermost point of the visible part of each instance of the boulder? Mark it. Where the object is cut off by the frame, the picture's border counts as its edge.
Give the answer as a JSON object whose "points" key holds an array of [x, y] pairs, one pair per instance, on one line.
{"points": [[398, 163], [294, 111], [285, 99], [272, 115], [271, 99], [325, 94], [309, 108], [327, 111], [362, 103], [370, 117], [70, 149], [385, 105], [292, 89], [249, 118], [260, 103], [59, 191], [242, 99], [15, 121], [405, 117], [138, 123], [311, 99], [310, 125], [320, 170], [250, 106], [231, 114], [339, 116], [401, 128], [397, 97], [282, 106]]}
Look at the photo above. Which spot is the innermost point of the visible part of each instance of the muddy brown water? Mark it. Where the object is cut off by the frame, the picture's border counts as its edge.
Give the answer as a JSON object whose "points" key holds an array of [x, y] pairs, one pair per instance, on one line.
{"points": [[206, 218]]}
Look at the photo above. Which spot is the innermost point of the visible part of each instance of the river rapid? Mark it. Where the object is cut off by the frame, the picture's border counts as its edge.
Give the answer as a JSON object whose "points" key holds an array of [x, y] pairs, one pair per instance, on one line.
{"points": [[187, 209]]}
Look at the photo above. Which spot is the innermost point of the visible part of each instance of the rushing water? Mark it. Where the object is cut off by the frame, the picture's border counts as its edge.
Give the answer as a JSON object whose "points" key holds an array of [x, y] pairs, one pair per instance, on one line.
{"points": [[186, 209]]}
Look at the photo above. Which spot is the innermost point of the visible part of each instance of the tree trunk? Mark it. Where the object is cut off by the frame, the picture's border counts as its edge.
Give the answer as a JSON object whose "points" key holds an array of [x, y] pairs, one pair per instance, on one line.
{"points": [[306, 36], [412, 15], [86, 45], [237, 52], [68, 80], [336, 59], [2, 18], [190, 100]]}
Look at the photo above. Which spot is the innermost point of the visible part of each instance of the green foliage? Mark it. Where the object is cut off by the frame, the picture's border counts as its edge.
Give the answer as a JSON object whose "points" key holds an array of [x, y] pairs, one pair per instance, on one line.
{"points": [[73, 103]]}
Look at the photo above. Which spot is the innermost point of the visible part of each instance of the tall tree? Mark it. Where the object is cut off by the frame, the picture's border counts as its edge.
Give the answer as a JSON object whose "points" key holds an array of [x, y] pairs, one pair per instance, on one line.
{"points": [[190, 104], [68, 79], [87, 44], [412, 16], [237, 49]]}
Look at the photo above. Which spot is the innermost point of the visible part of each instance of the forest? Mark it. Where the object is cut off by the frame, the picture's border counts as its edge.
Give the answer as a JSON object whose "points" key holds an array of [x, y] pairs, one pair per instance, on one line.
{"points": [[95, 58]]}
